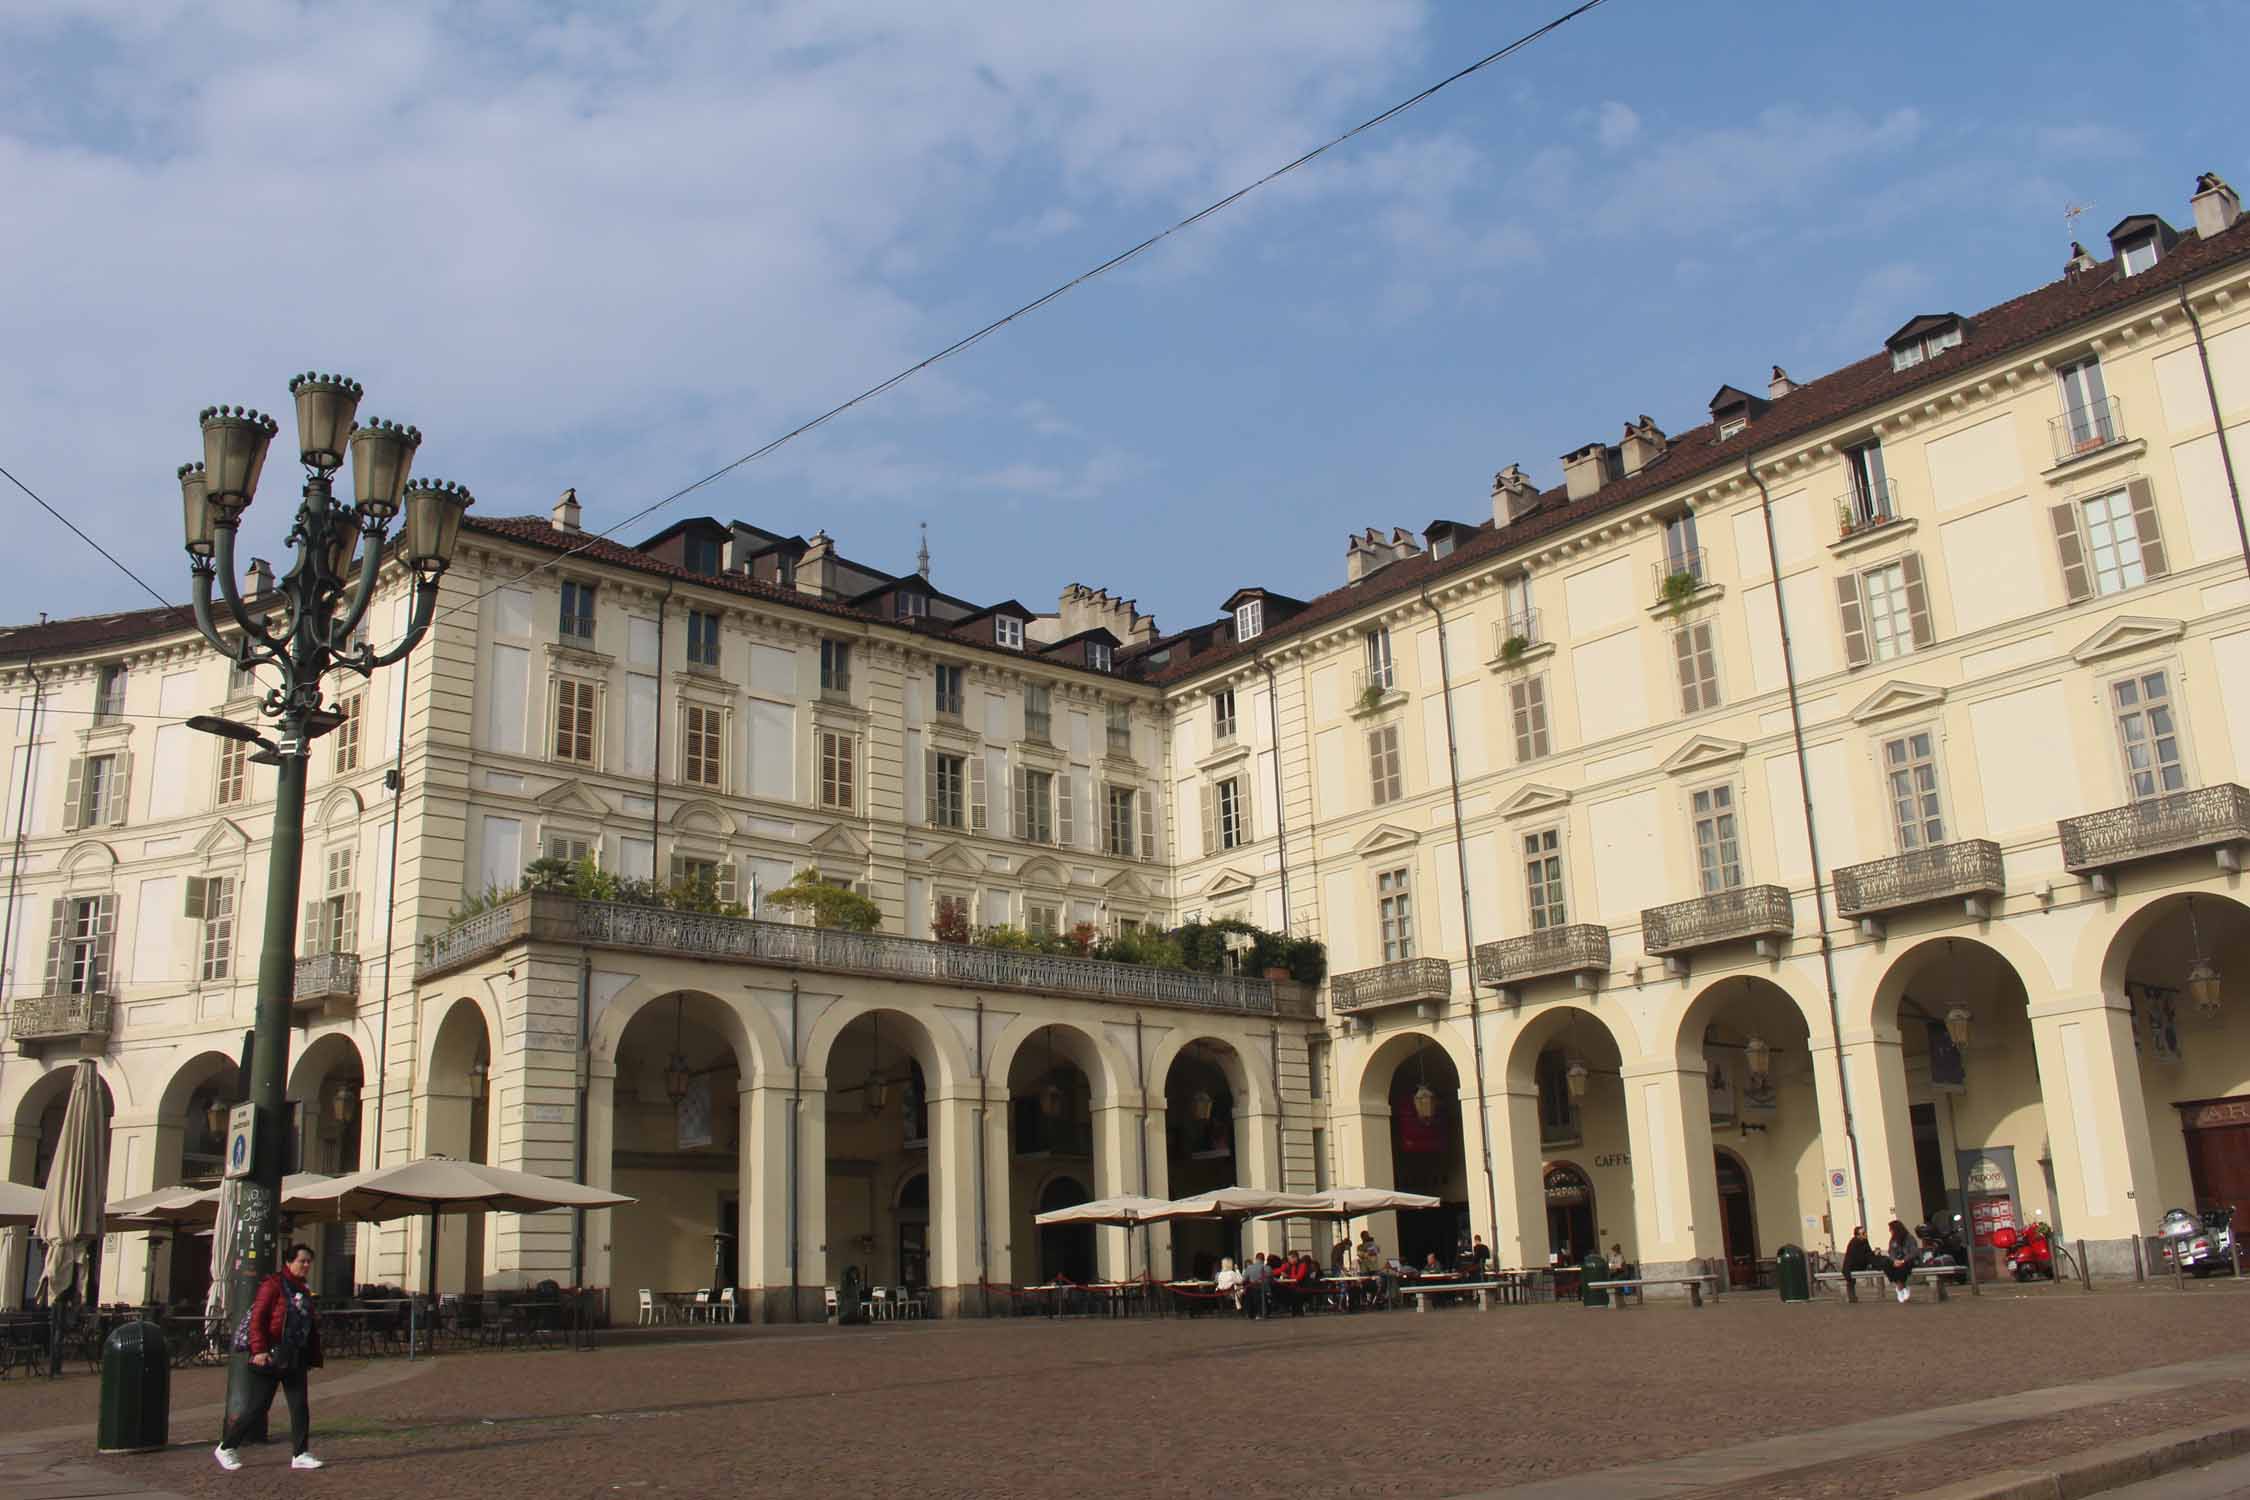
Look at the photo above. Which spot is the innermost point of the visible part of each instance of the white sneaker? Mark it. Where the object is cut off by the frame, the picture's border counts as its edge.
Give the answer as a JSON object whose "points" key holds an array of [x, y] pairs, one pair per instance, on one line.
{"points": [[1904, 1293], [306, 1461], [228, 1459]]}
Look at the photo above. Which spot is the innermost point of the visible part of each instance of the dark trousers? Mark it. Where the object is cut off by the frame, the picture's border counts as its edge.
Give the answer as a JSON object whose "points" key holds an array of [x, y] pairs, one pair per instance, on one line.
{"points": [[1899, 1270], [264, 1382]]}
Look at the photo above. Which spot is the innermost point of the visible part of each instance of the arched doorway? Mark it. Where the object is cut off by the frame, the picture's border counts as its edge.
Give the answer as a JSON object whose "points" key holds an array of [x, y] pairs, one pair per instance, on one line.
{"points": [[878, 1134], [1201, 1151], [675, 1146], [457, 1122], [1428, 1154], [38, 1135], [1738, 1218], [1565, 1100], [1753, 1046], [325, 1085], [1050, 1131], [1065, 1249], [1570, 1210], [191, 1150]]}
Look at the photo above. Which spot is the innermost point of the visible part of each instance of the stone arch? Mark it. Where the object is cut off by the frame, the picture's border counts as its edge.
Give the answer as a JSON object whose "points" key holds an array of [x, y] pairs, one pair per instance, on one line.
{"points": [[742, 1027], [1251, 1084], [88, 858], [194, 1073], [1877, 1011], [1372, 1084], [341, 808], [1519, 1071], [700, 815], [1747, 997], [936, 1047], [323, 1055], [2107, 949], [440, 1014], [1104, 1069]]}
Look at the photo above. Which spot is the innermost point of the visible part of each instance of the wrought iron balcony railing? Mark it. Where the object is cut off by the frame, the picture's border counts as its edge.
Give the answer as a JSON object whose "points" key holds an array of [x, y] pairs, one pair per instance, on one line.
{"points": [[1864, 507], [1579, 948], [328, 979], [1407, 981], [2085, 430], [697, 935], [1746, 913], [1521, 627], [1687, 560], [1969, 870], [60, 1018], [2206, 817]]}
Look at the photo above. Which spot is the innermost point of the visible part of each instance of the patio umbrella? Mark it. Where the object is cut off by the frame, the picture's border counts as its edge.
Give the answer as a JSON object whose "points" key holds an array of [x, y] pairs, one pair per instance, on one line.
{"points": [[1126, 1209], [1238, 1203], [19, 1205], [1351, 1202], [438, 1184], [183, 1207], [70, 1210]]}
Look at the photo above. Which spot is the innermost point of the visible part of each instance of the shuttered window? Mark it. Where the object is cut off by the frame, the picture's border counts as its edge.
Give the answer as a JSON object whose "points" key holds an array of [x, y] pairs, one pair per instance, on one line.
{"points": [[574, 720], [218, 927], [1910, 770], [702, 742], [81, 937], [2109, 543], [331, 923], [1885, 611], [1119, 800], [1698, 667], [1383, 764], [948, 789], [2148, 734], [838, 755], [234, 772], [344, 738], [1527, 706], [1394, 910], [94, 792], [1226, 814], [1035, 806], [1718, 845]]}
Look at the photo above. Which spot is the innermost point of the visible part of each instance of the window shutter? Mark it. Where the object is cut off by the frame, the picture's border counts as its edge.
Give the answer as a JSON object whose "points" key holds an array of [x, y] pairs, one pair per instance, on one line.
{"points": [[1375, 764], [1683, 653], [726, 880], [1210, 820], [347, 924], [105, 940], [2077, 583], [1066, 808], [55, 928], [1242, 800], [976, 791], [74, 791], [1145, 804], [929, 786], [678, 868], [1854, 618], [1022, 794], [121, 781], [197, 906], [2145, 525], [316, 929], [1519, 713], [1917, 601]]}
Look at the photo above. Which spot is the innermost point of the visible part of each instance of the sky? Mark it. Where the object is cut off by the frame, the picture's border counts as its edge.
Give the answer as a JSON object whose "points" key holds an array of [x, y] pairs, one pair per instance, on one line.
{"points": [[614, 247]]}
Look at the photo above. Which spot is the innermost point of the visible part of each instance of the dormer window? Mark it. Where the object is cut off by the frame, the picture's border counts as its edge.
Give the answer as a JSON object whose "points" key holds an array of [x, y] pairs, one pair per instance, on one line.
{"points": [[912, 606], [1731, 410], [1249, 619], [1097, 655], [2139, 241], [1925, 338], [1007, 631], [2138, 256], [701, 555]]}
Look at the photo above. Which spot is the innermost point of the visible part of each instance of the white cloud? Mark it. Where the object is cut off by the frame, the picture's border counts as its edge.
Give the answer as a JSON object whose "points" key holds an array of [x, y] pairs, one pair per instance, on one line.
{"points": [[1616, 125], [1040, 226]]}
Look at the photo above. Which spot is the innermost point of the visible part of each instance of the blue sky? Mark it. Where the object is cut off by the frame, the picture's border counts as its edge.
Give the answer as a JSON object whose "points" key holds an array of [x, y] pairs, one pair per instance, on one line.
{"points": [[616, 246]]}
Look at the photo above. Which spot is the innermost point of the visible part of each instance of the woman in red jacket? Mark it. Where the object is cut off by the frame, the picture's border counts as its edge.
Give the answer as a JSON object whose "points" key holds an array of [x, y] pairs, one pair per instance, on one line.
{"points": [[283, 1334]]}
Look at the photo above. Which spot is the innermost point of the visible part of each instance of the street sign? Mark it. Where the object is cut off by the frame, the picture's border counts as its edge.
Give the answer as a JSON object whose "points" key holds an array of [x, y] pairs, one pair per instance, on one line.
{"points": [[1836, 1182], [242, 1134]]}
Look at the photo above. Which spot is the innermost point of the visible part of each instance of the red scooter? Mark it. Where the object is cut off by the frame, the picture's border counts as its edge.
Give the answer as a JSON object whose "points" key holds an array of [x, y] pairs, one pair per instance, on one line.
{"points": [[2030, 1256]]}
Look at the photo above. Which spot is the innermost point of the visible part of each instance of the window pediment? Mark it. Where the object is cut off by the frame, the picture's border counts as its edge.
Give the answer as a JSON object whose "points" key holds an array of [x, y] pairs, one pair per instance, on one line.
{"points": [[2127, 633], [1385, 837], [224, 836], [1897, 698], [1534, 799], [957, 858], [1040, 870], [700, 816], [572, 796], [840, 840], [1703, 752], [1226, 755], [1228, 882]]}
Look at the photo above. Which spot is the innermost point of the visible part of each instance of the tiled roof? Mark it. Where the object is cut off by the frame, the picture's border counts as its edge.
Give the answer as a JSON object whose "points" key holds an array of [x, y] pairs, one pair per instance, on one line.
{"points": [[1698, 453], [85, 633]]}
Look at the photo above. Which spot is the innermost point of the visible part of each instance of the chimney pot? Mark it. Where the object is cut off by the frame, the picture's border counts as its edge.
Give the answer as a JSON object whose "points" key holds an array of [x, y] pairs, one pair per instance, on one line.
{"points": [[2216, 205], [2079, 263], [1641, 446], [1781, 385], [566, 513], [257, 578]]}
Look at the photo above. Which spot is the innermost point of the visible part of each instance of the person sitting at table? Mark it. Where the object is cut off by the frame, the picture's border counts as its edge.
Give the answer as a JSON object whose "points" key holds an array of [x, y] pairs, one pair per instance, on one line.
{"points": [[1621, 1269], [1430, 1266], [1228, 1282], [1370, 1253]]}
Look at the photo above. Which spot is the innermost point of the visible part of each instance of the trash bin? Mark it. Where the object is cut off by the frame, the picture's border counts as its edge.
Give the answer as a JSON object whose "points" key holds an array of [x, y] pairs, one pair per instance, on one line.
{"points": [[1590, 1270], [1792, 1274], [136, 1415]]}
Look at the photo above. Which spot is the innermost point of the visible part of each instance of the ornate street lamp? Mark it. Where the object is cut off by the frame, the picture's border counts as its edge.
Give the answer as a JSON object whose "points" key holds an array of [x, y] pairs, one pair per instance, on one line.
{"points": [[215, 1118], [2202, 975], [346, 1103], [305, 631], [1199, 1105]]}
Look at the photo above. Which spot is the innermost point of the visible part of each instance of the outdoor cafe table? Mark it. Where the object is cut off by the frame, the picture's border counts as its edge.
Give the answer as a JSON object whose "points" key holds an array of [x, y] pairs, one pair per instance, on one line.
{"points": [[1120, 1298]]}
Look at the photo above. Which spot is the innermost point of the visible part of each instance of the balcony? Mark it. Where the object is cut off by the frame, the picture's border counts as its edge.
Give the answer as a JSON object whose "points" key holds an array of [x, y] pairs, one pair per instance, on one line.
{"points": [[1762, 914], [83, 1019], [1375, 687], [1969, 872], [328, 982], [1866, 507], [1581, 950], [1518, 638], [1681, 580], [694, 935], [2209, 817], [1426, 983], [2084, 431]]}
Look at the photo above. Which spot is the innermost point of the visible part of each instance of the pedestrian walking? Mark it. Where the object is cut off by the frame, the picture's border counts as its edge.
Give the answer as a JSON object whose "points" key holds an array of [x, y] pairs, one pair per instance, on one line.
{"points": [[282, 1336]]}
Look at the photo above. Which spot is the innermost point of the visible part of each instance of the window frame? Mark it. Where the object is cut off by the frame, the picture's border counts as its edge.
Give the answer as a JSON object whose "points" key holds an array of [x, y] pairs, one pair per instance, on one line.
{"points": [[1249, 619], [1886, 772], [948, 705], [950, 789], [703, 638], [215, 950], [2083, 388], [1732, 814], [1099, 656], [1228, 813], [110, 684], [1036, 814], [1039, 713], [344, 739], [578, 624], [1382, 668], [1546, 890], [1007, 632], [233, 782], [1394, 913], [703, 746], [567, 686], [835, 666], [1224, 722], [2169, 670], [1114, 797], [2118, 503], [1533, 740], [838, 770], [1709, 691], [2131, 249]]}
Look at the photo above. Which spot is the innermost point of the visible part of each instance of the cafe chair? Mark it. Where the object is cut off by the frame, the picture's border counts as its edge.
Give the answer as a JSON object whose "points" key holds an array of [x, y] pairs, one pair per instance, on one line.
{"points": [[828, 1296], [701, 1312], [648, 1307], [726, 1312]]}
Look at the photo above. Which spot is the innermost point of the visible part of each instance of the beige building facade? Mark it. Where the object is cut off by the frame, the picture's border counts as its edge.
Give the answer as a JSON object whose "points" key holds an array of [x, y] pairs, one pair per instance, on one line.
{"points": [[1831, 814]]}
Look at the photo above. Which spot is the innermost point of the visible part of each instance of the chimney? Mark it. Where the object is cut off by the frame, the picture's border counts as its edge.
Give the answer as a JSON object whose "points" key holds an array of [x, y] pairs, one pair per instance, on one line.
{"points": [[2216, 205], [258, 579], [1584, 470], [1781, 385], [816, 570], [566, 511], [1642, 445], [1513, 495]]}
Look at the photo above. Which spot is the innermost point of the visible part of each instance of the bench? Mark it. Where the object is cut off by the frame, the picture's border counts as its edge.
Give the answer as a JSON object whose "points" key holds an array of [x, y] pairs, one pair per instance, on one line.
{"points": [[1641, 1284], [1941, 1277], [1483, 1290]]}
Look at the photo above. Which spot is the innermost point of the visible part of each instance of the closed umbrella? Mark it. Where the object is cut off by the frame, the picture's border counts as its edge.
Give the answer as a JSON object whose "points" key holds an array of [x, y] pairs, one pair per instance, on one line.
{"points": [[70, 1211]]}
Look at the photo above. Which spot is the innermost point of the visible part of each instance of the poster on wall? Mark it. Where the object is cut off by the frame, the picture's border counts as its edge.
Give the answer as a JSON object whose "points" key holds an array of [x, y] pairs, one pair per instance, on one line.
{"points": [[1720, 1087], [1988, 1188], [1948, 1075], [1416, 1134], [694, 1113], [2156, 1022]]}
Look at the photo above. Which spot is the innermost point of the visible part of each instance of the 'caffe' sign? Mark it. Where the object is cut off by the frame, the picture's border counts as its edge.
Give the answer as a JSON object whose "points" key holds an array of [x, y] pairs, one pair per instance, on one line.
{"points": [[2212, 1114]]}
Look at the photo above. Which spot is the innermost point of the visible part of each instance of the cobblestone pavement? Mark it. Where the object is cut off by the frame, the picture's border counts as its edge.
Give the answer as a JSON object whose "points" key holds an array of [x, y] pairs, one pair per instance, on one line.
{"points": [[1429, 1405]]}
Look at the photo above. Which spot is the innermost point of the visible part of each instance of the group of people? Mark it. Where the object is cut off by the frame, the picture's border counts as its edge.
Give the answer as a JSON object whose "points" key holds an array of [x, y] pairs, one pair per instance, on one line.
{"points": [[1902, 1252], [1290, 1280]]}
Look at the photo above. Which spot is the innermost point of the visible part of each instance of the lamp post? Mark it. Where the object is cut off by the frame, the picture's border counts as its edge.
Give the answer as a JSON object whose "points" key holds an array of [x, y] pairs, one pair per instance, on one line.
{"points": [[305, 632]]}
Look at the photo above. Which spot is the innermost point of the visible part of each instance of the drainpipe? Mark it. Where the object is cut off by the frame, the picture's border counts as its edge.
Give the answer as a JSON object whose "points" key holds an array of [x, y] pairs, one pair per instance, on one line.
{"points": [[656, 759], [1280, 826], [1812, 839], [1280, 1157], [1468, 915], [397, 785], [2218, 427], [585, 1097], [1140, 1071], [984, 1226]]}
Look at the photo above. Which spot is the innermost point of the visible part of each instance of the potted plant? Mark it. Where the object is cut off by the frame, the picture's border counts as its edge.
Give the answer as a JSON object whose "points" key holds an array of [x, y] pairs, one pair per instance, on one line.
{"points": [[1370, 698], [1843, 519], [1679, 589], [1513, 648]]}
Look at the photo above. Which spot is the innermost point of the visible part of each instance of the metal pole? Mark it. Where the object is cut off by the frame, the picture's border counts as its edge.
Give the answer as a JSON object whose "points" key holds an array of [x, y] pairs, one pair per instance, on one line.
{"points": [[1968, 1223], [2085, 1276]]}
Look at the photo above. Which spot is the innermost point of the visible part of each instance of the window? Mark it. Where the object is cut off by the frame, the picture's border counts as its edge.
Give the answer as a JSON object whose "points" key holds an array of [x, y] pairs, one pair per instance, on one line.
{"points": [[1035, 806], [240, 679], [79, 941], [1904, 356], [1543, 878], [2148, 735], [573, 848], [1699, 668], [1870, 500], [1120, 731], [1383, 764], [1527, 705], [1226, 814], [1885, 611], [1098, 655], [1041, 919], [1682, 552], [947, 692], [345, 741], [574, 720], [702, 554], [332, 922], [1731, 426], [703, 637], [1515, 605], [95, 790], [911, 605], [712, 877], [952, 914], [1007, 631], [1038, 712], [1910, 770], [1118, 826], [218, 926], [577, 610], [948, 790], [1222, 716], [1718, 850], [1379, 674], [2085, 402], [1394, 909], [836, 667], [837, 784], [234, 772], [109, 694], [1249, 619], [702, 738], [2109, 543], [2138, 256], [785, 570]]}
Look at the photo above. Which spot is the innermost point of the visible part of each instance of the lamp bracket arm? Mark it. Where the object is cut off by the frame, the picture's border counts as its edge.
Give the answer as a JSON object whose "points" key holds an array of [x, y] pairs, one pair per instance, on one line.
{"points": [[363, 592], [425, 607], [232, 593]]}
